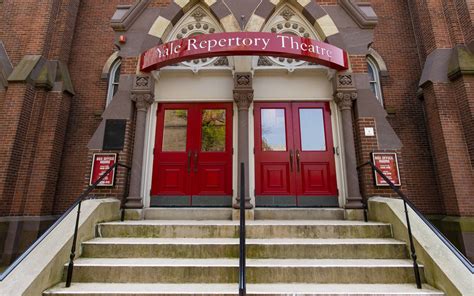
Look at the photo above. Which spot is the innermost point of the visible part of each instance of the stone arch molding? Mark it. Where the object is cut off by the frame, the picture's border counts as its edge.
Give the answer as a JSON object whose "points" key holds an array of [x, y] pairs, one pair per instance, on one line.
{"points": [[287, 20], [150, 25], [198, 20]]}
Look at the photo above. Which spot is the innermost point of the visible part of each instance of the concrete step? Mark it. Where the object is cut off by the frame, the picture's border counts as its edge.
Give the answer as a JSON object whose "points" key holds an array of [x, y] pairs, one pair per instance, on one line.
{"points": [[299, 214], [115, 289], [155, 270], [254, 229], [188, 214], [256, 248]]}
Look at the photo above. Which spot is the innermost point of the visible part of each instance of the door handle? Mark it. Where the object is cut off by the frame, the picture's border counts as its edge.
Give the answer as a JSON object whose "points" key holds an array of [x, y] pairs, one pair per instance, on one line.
{"points": [[195, 161], [298, 160], [291, 160], [189, 161]]}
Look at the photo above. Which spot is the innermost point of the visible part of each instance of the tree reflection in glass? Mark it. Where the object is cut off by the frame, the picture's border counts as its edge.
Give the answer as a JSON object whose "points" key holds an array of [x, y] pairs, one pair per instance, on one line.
{"points": [[213, 130]]}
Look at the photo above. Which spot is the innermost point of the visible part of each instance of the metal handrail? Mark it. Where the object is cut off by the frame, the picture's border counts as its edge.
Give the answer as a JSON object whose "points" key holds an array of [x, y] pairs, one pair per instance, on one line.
{"points": [[76, 227], [416, 270], [242, 255]]}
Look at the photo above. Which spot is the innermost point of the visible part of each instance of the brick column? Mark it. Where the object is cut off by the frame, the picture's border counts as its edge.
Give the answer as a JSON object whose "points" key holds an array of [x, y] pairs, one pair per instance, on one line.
{"points": [[243, 96], [142, 95], [344, 97]]}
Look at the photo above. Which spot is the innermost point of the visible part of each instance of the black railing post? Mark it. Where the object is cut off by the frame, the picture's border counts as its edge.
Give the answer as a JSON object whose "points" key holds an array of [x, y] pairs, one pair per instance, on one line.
{"points": [[242, 284], [412, 248], [73, 248], [410, 235], [76, 227]]}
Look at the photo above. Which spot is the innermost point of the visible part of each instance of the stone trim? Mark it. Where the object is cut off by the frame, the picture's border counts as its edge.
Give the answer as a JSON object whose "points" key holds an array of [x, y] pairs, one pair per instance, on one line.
{"points": [[108, 64], [51, 75], [124, 22], [170, 15], [358, 15], [379, 60], [461, 62], [436, 66], [6, 66]]}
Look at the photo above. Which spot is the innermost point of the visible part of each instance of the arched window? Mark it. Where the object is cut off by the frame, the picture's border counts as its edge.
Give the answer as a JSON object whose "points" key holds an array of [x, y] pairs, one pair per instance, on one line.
{"points": [[114, 76], [374, 75]]}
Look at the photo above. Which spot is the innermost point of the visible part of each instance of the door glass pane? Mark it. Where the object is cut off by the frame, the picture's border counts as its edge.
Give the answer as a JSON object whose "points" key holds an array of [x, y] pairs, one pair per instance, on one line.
{"points": [[213, 130], [312, 130], [273, 130], [175, 130]]}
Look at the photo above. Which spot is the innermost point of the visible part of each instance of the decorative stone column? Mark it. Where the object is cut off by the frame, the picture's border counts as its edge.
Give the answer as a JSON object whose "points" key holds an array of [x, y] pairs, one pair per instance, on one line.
{"points": [[243, 96], [345, 94], [142, 95]]}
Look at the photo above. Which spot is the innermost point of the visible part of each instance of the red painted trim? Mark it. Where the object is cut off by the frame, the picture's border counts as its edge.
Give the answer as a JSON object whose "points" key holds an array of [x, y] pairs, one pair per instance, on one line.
{"points": [[243, 43]]}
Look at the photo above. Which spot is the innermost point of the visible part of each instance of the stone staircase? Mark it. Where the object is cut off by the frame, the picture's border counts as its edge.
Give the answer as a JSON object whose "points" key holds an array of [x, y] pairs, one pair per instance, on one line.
{"points": [[285, 256]]}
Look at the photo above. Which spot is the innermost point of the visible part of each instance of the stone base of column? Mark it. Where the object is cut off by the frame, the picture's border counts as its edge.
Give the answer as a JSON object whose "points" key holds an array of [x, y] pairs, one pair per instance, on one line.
{"points": [[354, 215], [134, 202], [354, 203], [133, 214], [249, 214], [248, 205]]}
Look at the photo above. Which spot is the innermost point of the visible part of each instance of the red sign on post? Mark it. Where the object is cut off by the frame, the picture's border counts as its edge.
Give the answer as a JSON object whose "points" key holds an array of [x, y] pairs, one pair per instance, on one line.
{"points": [[101, 162], [243, 43], [388, 164]]}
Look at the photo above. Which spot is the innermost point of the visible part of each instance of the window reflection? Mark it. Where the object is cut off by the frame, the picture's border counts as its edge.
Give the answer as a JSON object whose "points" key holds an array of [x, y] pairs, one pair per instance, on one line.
{"points": [[175, 130], [312, 130], [273, 130], [213, 131]]}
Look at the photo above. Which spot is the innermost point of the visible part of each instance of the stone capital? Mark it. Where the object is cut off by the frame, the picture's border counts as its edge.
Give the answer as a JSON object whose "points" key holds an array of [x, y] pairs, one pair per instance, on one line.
{"points": [[142, 101], [142, 92], [344, 100], [243, 98]]}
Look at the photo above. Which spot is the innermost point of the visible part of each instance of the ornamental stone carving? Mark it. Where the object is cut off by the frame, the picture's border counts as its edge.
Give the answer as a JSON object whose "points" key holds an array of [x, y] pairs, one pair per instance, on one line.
{"points": [[287, 13], [344, 100], [142, 101], [142, 92], [345, 81], [242, 80], [243, 99]]}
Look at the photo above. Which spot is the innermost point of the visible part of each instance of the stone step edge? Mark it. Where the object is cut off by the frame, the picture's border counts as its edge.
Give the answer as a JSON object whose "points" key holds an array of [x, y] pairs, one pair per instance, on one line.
{"points": [[232, 289], [251, 263], [235, 241]]}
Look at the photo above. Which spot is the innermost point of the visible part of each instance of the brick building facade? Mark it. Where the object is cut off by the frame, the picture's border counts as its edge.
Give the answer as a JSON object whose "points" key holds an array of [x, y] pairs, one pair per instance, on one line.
{"points": [[55, 61]]}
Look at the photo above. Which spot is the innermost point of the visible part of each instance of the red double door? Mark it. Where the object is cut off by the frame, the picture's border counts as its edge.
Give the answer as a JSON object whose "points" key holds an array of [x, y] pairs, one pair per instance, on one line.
{"points": [[193, 155], [294, 155]]}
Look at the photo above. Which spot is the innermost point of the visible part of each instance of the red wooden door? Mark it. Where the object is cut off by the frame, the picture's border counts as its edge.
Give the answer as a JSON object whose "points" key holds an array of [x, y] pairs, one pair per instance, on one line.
{"points": [[193, 155], [212, 155], [314, 151], [294, 158], [274, 168]]}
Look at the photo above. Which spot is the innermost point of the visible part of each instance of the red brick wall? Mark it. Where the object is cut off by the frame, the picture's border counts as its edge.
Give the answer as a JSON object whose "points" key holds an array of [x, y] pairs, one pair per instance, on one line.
{"points": [[454, 171], [92, 45], [400, 97], [464, 89], [358, 63], [19, 102]]}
